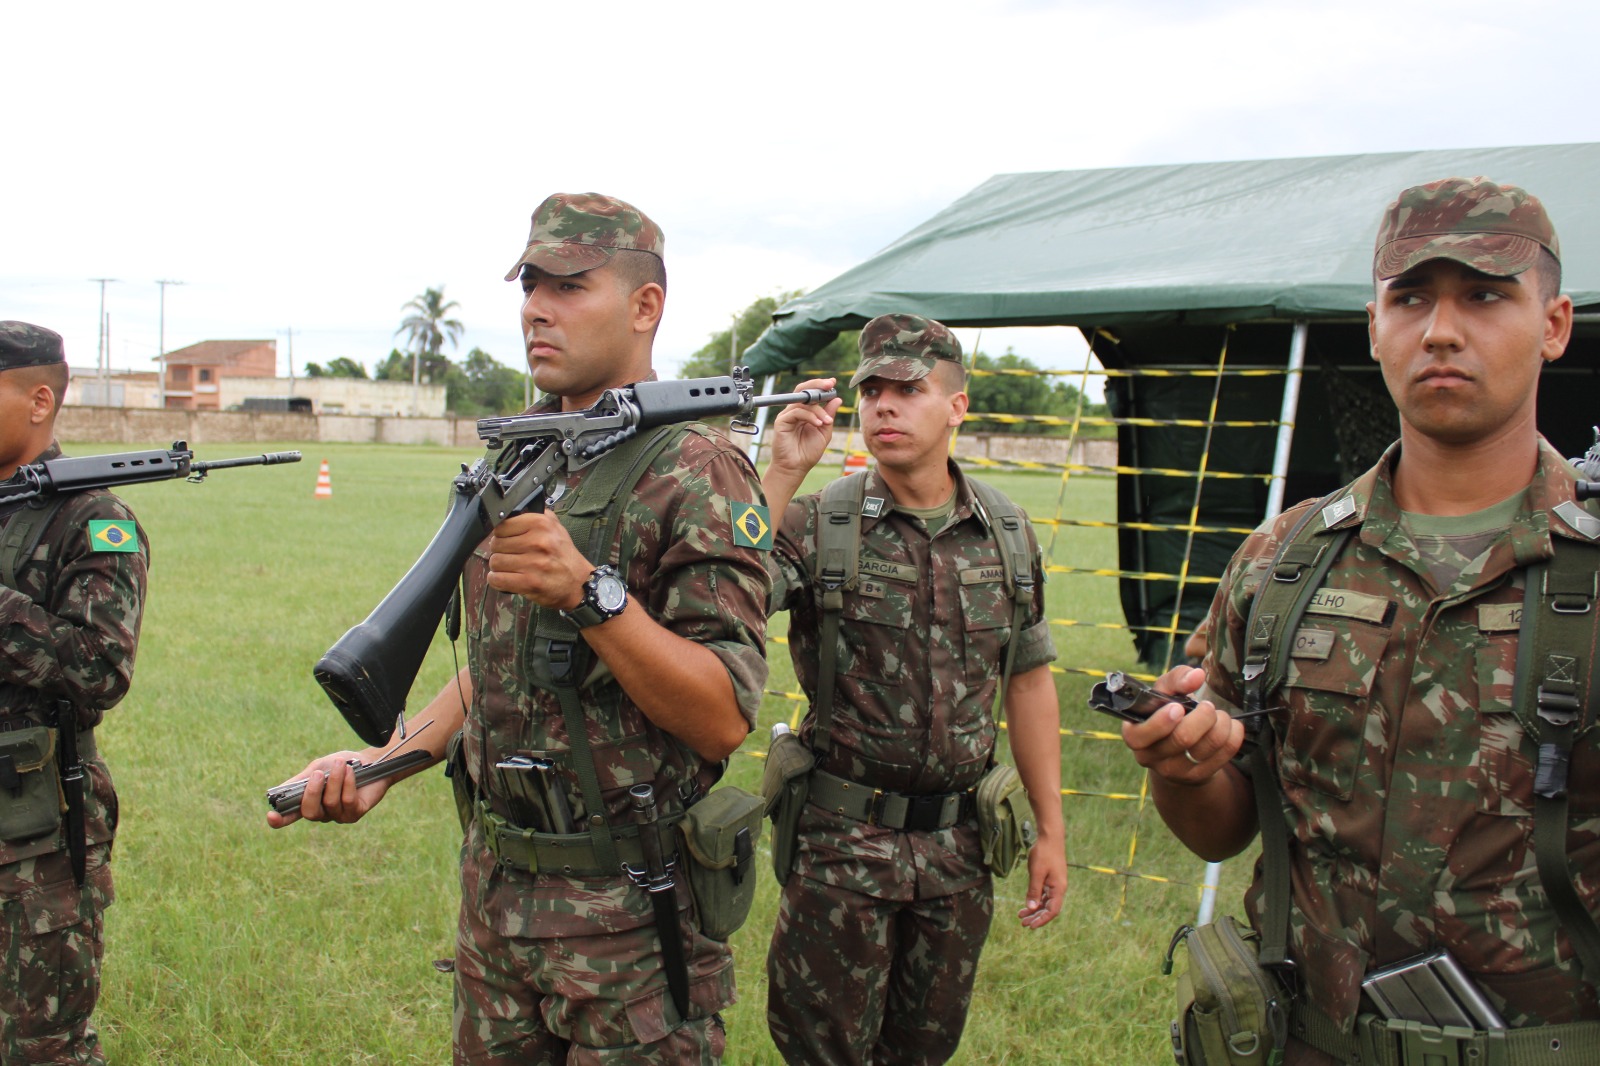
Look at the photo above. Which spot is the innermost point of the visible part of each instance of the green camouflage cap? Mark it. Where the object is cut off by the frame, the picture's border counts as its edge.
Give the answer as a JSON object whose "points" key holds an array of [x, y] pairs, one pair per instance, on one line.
{"points": [[1494, 229], [904, 348], [24, 344], [577, 231]]}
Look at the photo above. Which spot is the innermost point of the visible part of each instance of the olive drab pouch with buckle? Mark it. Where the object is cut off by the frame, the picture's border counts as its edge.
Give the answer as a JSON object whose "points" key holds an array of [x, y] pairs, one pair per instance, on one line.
{"points": [[720, 834], [1005, 828], [31, 800], [455, 768], [1231, 1010], [785, 786]]}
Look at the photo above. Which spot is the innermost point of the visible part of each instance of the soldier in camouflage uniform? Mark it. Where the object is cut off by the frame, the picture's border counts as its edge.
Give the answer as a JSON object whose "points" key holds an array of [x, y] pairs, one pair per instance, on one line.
{"points": [[69, 627], [559, 967], [1407, 782], [879, 930]]}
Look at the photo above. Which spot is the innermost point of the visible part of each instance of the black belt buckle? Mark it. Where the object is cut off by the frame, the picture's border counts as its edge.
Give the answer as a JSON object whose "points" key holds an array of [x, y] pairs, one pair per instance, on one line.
{"points": [[925, 813]]}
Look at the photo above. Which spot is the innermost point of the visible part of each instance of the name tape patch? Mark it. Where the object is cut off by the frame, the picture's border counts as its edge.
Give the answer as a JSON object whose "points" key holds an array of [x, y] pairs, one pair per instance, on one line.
{"points": [[885, 569], [983, 575], [1346, 603]]}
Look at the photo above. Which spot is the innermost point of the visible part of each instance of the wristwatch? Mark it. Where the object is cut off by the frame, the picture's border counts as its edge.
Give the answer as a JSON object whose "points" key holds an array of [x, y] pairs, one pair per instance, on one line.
{"points": [[604, 597]]}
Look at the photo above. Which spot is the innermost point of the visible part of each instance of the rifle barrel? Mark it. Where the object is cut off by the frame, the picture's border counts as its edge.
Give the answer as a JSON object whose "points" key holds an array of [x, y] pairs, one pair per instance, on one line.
{"points": [[265, 459]]}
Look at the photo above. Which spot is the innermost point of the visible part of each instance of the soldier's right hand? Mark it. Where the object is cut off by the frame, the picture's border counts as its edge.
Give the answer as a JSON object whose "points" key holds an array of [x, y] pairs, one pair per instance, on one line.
{"points": [[331, 794], [802, 432], [1185, 749]]}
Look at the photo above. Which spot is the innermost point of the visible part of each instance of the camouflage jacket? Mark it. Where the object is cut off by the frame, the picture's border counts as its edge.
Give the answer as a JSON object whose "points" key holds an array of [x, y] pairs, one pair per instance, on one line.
{"points": [[1407, 779], [675, 550], [922, 642], [71, 631]]}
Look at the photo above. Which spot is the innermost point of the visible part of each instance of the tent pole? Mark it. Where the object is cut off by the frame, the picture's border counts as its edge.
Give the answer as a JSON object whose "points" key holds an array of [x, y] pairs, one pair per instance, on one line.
{"points": [[753, 449], [1280, 473]]}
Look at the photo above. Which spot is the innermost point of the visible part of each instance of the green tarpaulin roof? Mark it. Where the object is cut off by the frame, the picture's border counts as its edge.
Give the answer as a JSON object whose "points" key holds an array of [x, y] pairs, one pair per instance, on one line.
{"points": [[1203, 242]]}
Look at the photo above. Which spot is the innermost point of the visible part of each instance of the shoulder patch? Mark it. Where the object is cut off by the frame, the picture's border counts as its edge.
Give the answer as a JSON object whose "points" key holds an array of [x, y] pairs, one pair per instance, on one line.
{"points": [[751, 526], [1338, 511], [872, 507], [1579, 519], [112, 535]]}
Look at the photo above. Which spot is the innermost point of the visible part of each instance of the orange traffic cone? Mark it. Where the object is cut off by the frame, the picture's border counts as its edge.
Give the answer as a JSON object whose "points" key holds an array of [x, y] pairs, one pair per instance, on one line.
{"points": [[324, 485], [855, 461]]}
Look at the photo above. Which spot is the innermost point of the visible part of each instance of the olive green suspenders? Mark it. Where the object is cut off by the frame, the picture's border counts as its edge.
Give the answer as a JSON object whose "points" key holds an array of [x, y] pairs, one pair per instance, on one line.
{"points": [[838, 557]]}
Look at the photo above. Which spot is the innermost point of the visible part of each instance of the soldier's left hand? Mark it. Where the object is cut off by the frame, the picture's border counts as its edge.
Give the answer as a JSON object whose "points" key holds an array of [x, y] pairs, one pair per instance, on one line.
{"points": [[1047, 882], [532, 555]]}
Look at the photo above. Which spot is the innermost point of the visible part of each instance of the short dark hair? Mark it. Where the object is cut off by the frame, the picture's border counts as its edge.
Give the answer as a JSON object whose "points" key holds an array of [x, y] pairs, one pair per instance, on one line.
{"points": [[52, 374], [637, 268], [952, 376], [1549, 270]]}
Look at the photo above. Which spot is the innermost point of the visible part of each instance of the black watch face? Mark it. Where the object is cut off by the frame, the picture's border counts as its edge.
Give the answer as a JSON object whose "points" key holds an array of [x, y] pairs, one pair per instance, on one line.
{"points": [[610, 593]]}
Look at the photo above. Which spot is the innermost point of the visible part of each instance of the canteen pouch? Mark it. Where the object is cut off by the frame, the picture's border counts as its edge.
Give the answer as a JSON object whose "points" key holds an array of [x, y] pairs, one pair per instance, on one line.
{"points": [[785, 785], [455, 768], [1004, 827], [720, 834], [31, 800], [1231, 1012]]}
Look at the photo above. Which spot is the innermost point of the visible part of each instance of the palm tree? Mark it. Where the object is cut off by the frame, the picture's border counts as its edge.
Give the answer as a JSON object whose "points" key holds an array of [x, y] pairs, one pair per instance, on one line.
{"points": [[426, 331]]}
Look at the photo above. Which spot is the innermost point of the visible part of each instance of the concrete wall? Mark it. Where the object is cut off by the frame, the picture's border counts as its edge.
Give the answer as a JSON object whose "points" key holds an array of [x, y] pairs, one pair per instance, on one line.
{"points": [[346, 396], [123, 425]]}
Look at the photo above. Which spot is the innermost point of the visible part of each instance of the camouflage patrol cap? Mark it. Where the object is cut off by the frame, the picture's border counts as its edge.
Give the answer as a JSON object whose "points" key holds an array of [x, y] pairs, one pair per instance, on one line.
{"points": [[904, 348], [24, 344], [1494, 229], [577, 231]]}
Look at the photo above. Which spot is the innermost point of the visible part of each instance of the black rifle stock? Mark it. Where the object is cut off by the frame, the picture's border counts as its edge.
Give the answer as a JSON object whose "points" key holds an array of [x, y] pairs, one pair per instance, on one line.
{"points": [[81, 473], [368, 673]]}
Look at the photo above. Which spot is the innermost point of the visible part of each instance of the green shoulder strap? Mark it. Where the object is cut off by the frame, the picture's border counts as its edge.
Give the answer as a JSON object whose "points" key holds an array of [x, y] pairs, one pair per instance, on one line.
{"points": [[838, 555], [21, 536], [1005, 519], [611, 482], [1557, 697], [1292, 579]]}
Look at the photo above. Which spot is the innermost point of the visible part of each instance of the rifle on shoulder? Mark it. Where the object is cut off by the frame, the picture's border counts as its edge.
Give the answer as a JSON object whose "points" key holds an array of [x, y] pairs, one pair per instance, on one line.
{"points": [[55, 477], [369, 671], [1588, 468]]}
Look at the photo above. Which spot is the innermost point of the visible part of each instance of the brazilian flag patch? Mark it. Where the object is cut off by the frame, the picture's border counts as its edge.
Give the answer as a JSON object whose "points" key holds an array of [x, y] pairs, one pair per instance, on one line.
{"points": [[750, 527], [112, 535]]}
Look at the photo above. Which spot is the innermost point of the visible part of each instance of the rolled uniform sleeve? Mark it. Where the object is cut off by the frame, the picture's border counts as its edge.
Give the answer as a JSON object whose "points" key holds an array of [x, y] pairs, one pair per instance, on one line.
{"points": [[707, 588], [1035, 647], [792, 544], [73, 629]]}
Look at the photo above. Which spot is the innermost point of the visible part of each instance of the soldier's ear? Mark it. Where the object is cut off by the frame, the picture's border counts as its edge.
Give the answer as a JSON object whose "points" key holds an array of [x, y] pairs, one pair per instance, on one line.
{"points": [[41, 404], [958, 408]]}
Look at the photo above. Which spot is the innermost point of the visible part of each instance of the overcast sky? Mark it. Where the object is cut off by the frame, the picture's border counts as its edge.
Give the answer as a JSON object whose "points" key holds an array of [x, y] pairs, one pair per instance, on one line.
{"points": [[315, 165]]}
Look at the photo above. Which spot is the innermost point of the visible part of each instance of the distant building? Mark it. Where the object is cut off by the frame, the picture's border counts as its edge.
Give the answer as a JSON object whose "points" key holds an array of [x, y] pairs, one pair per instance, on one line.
{"points": [[195, 374], [338, 396], [120, 388]]}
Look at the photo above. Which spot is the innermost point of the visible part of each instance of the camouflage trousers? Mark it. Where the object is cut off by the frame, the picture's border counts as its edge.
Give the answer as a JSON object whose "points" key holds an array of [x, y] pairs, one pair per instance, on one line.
{"points": [[50, 949], [854, 980], [580, 998]]}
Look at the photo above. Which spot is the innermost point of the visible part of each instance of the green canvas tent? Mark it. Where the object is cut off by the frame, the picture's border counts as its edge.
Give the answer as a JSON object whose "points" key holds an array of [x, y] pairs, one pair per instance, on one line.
{"points": [[1160, 267]]}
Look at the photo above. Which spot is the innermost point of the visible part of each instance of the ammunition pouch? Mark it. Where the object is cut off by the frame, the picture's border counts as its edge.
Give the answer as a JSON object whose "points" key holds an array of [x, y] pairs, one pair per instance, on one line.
{"points": [[1004, 826], [718, 850], [785, 785], [31, 799], [1231, 1011]]}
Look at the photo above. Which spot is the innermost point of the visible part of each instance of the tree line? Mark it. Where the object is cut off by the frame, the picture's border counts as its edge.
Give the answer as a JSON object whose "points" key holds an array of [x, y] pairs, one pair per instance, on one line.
{"points": [[476, 387], [1011, 394]]}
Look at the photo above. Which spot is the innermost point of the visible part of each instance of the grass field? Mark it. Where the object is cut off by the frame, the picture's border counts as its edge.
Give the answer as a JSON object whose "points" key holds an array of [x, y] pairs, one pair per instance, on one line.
{"points": [[234, 944]]}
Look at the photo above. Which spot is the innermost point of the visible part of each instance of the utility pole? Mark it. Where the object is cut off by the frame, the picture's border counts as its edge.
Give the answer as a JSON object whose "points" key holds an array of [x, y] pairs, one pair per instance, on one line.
{"points": [[105, 347], [733, 344], [161, 355]]}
